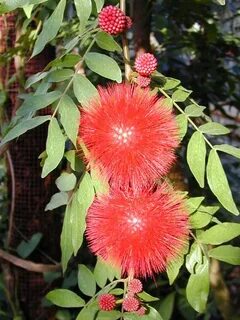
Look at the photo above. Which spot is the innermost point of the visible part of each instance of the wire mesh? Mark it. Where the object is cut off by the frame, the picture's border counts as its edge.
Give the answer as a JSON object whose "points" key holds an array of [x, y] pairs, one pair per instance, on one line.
{"points": [[32, 193]]}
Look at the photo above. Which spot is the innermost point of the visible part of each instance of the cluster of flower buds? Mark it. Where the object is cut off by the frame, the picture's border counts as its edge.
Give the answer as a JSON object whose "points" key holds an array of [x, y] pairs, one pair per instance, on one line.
{"points": [[113, 21], [130, 303]]}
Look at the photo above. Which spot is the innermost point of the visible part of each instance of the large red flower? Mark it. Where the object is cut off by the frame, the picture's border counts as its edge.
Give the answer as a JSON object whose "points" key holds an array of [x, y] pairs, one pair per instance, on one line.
{"points": [[130, 134], [142, 233]]}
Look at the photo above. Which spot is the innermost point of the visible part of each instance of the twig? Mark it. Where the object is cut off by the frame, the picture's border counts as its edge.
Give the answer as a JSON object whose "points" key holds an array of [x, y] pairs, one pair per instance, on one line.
{"points": [[126, 54], [29, 265]]}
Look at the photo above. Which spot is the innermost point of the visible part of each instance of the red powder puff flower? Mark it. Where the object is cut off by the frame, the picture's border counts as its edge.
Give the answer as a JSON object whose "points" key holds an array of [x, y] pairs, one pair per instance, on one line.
{"points": [[106, 302], [113, 21], [135, 286], [141, 232], [130, 304], [145, 64], [130, 134]]}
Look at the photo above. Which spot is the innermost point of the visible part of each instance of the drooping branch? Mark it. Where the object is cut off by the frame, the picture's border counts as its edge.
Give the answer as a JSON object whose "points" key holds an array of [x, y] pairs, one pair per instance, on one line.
{"points": [[29, 265]]}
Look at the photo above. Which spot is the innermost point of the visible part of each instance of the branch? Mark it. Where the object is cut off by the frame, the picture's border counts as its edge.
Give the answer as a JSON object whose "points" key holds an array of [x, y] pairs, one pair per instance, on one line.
{"points": [[126, 54], [29, 265]]}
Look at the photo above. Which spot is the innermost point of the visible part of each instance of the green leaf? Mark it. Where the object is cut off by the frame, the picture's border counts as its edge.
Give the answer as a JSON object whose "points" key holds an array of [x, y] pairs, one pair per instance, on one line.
{"points": [[84, 9], [10, 5], [193, 203], [25, 248], [213, 128], [100, 182], [166, 306], [23, 127], [35, 78], [226, 253], [194, 110], [117, 291], [228, 149], [66, 239], [168, 102], [75, 161], [218, 182], [69, 117], [86, 281], [196, 157], [147, 297], [57, 200], [34, 103], [200, 219], [99, 4], [106, 42], [85, 191], [60, 75], [173, 266], [65, 298], [104, 66], [194, 258], [50, 28], [180, 95], [100, 273], [108, 315], [152, 315], [66, 181], [54, 147], [84, 90], [78, 214], [86, 314], [182, 124], [220, 233], [171, 83], [197, 289], [208, 209]]}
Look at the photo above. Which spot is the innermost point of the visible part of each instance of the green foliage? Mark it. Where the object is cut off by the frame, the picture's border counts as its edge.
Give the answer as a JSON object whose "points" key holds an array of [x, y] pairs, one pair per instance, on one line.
{"points": [[84, 9], [106, 42], [83, 89], [86, 281], [198, 287], [54, 147], [69, 117], [23, 126], [25, 248], [57, 200], [220, 233], [104, 65], [50, 28], [218, 183], [196, 155], [65, 298], [226, 253], [66, 182]]}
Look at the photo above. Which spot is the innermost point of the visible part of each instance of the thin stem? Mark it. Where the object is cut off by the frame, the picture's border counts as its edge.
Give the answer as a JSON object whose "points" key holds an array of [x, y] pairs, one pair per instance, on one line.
{"points": [[126, 54], [188, 118]]}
